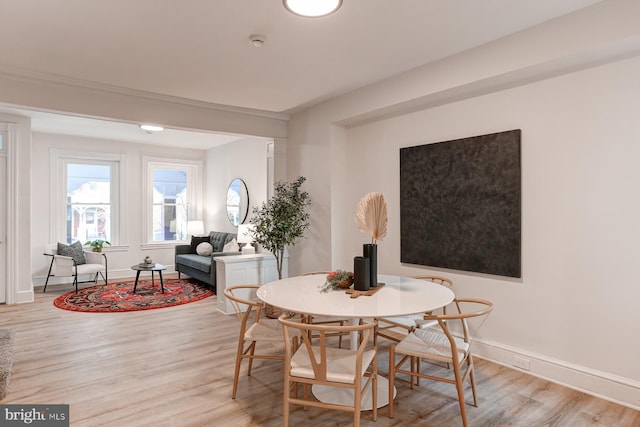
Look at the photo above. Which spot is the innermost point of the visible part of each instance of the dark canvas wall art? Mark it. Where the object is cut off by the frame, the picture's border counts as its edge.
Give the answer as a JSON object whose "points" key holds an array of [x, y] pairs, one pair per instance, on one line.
{"points": [[460, 204]]}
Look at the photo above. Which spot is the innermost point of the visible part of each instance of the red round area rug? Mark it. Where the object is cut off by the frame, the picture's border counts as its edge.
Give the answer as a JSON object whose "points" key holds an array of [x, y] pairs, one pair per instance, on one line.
{"points": [[118, 297]]}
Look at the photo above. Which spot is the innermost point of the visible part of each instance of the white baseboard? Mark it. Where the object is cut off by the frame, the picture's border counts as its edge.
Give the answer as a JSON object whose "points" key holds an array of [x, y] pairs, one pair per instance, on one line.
{"points": [[607, 386], [24, 297]]}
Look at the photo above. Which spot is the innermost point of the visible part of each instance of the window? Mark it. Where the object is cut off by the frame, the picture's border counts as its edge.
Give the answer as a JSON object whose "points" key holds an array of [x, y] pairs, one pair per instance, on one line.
{"points": [[88, 201], [170, 206], [173, 194], [86, 197]]}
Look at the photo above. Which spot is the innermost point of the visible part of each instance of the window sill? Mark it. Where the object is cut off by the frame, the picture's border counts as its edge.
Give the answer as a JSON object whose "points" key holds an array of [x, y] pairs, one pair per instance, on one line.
{"points": [[116, 248], [163, 245]]}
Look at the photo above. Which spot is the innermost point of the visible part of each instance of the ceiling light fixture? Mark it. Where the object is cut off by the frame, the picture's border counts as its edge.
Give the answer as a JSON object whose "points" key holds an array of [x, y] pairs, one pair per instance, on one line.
{"points": [[151, 128], [312, 9]]}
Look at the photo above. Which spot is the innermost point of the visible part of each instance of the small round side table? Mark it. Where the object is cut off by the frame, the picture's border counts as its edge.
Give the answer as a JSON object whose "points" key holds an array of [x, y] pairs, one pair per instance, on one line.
{"points": [[152, 268]]}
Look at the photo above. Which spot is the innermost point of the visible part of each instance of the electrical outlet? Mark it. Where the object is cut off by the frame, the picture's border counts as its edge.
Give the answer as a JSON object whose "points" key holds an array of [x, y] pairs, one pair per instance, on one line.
{"points": [[520, 362]]}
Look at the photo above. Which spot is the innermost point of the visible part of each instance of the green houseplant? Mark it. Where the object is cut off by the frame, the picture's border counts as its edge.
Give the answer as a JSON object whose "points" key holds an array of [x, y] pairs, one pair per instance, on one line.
{"points": [[97, 244], [339, 279], [282, 219]]}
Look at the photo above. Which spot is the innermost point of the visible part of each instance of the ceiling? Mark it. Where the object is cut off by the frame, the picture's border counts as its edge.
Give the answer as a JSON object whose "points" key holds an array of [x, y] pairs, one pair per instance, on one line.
{"points": [[199, 49]]}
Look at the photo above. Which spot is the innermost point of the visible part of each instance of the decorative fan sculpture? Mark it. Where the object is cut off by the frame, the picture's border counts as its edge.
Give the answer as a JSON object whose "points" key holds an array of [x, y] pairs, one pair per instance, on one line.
{"points": [[371, 216]]}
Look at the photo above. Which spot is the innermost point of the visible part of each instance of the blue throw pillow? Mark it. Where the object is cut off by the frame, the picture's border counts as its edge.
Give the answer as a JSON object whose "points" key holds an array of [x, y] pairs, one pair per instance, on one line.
{"points": [[74, 250]]}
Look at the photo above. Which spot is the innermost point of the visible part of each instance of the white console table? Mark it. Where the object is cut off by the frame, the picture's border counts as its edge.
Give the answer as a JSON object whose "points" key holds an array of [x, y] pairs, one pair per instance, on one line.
{"points": [[256, 269]]}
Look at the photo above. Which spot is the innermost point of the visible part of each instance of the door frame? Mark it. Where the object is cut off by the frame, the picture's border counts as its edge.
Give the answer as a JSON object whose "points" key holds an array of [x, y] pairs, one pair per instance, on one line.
{"points": [[4, 197], [9, 241]]}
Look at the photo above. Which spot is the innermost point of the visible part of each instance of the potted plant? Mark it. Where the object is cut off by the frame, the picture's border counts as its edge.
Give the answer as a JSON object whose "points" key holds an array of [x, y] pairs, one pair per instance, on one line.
{"points": [[97, 244], [339, 279], [371, 218], [282, 219]]}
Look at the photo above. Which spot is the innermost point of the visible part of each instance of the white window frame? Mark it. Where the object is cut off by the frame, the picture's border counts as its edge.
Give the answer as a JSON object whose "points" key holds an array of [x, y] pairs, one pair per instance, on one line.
{"points": [[193, 168], [58, 202]]}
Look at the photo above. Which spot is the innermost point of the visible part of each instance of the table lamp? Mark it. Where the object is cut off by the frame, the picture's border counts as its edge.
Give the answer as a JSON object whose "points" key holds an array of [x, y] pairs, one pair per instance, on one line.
{"points": [[195, 228], [245, 235]]}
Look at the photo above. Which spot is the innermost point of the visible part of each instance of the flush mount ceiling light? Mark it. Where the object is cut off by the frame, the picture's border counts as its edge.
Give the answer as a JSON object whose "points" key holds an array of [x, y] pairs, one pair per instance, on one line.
{"points": [[312, 9], [151, 128]]}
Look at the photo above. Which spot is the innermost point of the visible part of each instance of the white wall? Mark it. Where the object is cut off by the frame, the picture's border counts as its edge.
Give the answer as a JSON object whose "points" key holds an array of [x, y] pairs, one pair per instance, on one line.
{"points": [[245, 159], [313, 160], [578, 299], [574, 313], [129, 252]]}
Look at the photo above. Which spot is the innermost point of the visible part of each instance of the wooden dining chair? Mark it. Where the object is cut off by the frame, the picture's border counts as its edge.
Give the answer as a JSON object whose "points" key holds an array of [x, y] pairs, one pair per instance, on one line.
{"points": [[440, 344], [254, 328], [309, 364], [396, 328]]}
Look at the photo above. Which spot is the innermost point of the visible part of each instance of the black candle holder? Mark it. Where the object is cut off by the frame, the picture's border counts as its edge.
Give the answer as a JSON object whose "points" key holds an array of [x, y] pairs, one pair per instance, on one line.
{"points": [[361, 273], [370, 250]]}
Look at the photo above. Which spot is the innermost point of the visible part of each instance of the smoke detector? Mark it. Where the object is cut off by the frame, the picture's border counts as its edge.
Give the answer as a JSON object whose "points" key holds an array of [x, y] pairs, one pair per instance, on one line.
{"points": [[257, 40]]}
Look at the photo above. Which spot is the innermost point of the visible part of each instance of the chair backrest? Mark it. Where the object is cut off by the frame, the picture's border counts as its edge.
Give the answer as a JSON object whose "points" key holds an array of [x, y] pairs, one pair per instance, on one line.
{"points": [[444, 281], [309, 273], [241, 297], [60, 265], [481, 308], [321, 332]]}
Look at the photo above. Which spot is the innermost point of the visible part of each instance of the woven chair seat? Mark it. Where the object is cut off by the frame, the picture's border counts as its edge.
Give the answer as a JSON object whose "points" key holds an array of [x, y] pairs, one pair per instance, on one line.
{"points": [[432, 344], [266, 330], [90, 268], [341, 364]]}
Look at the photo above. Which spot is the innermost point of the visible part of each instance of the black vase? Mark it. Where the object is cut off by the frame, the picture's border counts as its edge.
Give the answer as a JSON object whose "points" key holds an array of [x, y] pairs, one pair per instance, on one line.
{"points": [[361, 270], [370, 250]]}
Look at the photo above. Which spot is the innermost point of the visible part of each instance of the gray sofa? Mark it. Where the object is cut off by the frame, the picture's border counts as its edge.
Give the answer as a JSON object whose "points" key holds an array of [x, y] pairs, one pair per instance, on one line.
{"points": [[202, 268]]}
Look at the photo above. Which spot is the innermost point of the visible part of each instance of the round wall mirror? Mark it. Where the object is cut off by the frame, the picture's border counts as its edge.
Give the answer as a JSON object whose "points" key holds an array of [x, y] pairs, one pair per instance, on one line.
{"points": [[237, 202]]}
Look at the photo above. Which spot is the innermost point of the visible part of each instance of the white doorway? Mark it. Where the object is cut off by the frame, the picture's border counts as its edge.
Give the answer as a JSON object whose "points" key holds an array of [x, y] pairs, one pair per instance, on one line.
{"points": [[3, 214]]}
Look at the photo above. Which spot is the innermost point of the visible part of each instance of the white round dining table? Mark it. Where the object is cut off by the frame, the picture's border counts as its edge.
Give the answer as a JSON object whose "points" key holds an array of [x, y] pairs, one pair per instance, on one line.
{"points": [[398, 297]]}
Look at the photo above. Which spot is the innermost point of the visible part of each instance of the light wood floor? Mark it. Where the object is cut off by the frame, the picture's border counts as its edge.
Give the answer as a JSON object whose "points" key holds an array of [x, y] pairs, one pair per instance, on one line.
{"points": [[174, 367]]}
